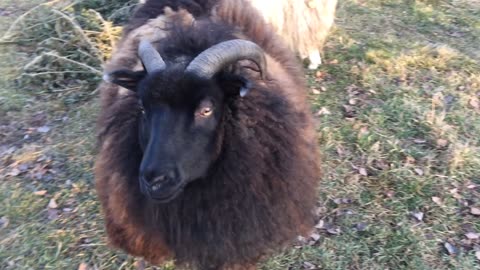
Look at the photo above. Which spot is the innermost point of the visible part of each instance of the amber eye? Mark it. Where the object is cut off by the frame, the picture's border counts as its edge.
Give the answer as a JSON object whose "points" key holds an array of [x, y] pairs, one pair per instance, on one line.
{"points": [[207, 111]]}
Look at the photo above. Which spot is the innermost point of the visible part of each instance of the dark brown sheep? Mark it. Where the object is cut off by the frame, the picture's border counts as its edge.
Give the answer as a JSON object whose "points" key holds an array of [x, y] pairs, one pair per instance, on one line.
{"points": [[189, 169]]}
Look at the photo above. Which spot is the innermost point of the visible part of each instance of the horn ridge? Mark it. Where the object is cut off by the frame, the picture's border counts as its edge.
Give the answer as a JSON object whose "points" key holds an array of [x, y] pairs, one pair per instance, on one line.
{"points": [[150, 57], [213, 59]]}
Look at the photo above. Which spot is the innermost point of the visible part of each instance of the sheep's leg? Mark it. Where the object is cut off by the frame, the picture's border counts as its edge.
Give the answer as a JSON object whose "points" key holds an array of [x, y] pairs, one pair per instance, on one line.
{"points": [[315, 59]]}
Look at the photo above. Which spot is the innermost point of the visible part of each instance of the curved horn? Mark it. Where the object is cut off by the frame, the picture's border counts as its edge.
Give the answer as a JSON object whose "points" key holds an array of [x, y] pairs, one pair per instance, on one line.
{"points": [[150, 57], [213, 59]]}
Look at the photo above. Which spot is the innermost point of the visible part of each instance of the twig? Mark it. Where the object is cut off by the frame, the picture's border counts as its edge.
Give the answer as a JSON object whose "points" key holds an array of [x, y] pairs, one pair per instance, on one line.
{"points": [[94, 70], [55, 72], [79, 30]]}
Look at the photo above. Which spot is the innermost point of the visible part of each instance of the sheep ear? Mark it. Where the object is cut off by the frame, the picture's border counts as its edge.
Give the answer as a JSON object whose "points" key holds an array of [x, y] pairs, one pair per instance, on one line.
{"points": [[234, 85], [125, 78]]}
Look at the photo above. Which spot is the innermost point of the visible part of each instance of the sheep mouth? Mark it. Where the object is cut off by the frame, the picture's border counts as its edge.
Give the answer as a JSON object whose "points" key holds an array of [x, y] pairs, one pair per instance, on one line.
{"points": [[162, 193]]}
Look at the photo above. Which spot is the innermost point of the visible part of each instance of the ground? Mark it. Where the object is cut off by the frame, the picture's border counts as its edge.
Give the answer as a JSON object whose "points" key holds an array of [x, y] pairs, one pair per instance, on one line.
{"points": [[397, 102]]}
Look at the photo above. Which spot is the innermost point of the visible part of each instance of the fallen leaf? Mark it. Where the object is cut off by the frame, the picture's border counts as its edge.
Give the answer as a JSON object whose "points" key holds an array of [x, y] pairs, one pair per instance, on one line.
{"points": [[472, 235], [323, 88], [334, 230], [442, 143], [43, 129], [315, 236], [315, 91], [475, 103], [451, 249], [437, 200], [309, 265], [362, 226], [14, 172], [4, 221], [52, 204], [352, 101], [418, 215], [333, 62], [419, 141], [83, 266], [475, 211], [323, 111], [139, 264], [419, 171], [362, 171], [410, 160], [320, 224], [390, 193], [472, 186], [40, 192], [318, 74], [477, 254], [52, 214]]}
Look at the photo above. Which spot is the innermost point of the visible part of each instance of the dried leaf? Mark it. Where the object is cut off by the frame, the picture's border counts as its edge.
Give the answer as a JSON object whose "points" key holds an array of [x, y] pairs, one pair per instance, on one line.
{"points": [[362, 171], [451, 249], [83, 266], [309, 265], [477, 254], [475, 103], [323, 111], [4, 221], [52, 204], [43, 129], [14, 172], [139, 264], [52, 214], [410, 160], [334, 230], [472, 186], [352, 101], [323, 88], [362, 226], [320, 224], [437, 200], [318, 74], [419, 141], [40, 192], [475, 211], [315, 91], [442, 143], [418, 215], [419, 171], [472, 235], [315, 236]]}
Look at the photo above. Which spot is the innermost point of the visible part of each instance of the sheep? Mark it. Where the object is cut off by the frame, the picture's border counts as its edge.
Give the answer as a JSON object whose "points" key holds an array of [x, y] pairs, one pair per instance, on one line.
{"points": [[207, 148], [304, 24]]}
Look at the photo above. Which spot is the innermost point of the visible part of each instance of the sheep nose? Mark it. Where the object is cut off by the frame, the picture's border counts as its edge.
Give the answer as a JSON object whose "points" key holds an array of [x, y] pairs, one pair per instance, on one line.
{"points": [[153, 177]]}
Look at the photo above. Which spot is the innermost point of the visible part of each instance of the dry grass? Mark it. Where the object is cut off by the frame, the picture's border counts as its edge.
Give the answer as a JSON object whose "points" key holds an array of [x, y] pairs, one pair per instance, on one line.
{"points": [[398, 109]]}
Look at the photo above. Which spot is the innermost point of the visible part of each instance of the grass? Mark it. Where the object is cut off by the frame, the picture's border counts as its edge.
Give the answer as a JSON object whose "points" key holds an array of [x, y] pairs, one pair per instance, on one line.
{"points": [[398, 128]]}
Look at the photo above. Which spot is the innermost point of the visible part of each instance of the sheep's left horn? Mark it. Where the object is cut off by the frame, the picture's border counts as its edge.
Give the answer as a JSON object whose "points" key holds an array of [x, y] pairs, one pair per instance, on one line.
{"points": [[213, 59], [150, 57]]}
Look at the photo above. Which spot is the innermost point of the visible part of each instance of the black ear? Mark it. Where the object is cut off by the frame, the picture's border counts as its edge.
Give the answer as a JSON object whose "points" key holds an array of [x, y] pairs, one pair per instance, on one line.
{"points": [[234, 85], [125, 78]]}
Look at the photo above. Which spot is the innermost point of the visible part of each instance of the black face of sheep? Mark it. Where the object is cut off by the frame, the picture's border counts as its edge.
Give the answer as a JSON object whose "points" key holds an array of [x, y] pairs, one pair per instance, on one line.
{"points": [[181, 113]]}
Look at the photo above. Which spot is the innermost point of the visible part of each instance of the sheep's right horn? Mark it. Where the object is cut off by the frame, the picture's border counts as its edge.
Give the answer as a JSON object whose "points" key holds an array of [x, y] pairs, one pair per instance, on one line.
{"points": [[213, 59], [150, 57]]}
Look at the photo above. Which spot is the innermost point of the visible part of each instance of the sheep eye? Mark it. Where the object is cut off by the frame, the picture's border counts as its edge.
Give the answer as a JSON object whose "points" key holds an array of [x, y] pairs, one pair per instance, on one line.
{"points": [[205, 112], [205, 109]]}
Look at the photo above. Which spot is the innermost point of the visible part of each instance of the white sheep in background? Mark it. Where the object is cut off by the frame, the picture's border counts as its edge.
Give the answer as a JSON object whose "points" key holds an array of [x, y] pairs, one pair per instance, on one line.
{"points": [[303, 24]]}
